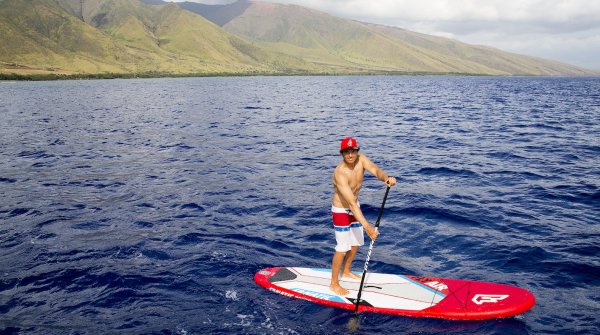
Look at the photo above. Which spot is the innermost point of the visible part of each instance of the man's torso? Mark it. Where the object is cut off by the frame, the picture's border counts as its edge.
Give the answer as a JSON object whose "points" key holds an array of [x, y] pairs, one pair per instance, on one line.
{"points": [[355, 178]]}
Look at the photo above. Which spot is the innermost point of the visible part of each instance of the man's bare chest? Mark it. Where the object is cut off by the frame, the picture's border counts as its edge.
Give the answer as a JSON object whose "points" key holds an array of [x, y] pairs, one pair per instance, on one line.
{"points": [[355, 178]]}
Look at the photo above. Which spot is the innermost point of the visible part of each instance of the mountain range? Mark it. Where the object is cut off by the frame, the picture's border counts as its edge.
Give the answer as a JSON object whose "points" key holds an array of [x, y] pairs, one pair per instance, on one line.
{"points": [[88, 37]]}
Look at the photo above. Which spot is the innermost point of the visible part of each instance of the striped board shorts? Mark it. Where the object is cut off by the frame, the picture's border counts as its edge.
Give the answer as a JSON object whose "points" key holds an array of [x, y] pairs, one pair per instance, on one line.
{"points": [[348, 232]]}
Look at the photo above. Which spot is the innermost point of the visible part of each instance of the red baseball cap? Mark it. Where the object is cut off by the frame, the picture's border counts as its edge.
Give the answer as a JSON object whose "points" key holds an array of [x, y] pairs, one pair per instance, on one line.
{"points": [[349, 143]]}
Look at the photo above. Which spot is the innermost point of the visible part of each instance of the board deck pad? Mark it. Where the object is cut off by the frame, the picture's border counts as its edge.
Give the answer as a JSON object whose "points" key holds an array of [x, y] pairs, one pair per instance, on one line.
{"points": [[402, 295]]}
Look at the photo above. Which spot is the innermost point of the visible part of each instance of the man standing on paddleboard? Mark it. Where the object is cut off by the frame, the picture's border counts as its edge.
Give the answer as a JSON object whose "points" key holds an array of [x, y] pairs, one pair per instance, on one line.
{"points": [[348, 219]]}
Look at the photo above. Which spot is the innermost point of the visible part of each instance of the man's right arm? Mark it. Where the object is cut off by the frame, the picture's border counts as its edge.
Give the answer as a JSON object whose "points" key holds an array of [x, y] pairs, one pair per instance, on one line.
{"points": [[344, 190]]}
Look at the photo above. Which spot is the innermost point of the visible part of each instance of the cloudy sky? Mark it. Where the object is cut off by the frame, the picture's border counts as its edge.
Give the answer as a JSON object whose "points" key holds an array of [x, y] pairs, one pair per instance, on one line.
{"points": [[563, 30]]}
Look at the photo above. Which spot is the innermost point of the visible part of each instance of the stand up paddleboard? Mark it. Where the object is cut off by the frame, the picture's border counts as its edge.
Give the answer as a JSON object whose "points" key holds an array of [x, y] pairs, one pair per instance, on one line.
{"points": [[402, 295]]}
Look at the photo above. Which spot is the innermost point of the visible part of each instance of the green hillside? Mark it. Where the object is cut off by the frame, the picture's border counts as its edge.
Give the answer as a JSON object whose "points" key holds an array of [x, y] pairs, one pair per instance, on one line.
{"points": [[124, 36], [150, 37], [484, 57], [40, 35], [324, 39]]}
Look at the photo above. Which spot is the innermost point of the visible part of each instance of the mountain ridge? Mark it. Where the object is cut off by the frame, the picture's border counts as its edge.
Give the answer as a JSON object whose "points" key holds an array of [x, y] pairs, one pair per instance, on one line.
{"points": [[124, 36], [130, 37], [378, 47]]}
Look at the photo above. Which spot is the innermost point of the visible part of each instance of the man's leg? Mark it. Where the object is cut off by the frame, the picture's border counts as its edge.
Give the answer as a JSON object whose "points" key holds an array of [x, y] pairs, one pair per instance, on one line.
{"points": [[336, 265], [347, 272]]}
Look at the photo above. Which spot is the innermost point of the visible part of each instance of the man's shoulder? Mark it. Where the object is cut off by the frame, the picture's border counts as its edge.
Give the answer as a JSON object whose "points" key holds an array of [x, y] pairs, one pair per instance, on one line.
{"points": [[338, 169], [362, 160]]}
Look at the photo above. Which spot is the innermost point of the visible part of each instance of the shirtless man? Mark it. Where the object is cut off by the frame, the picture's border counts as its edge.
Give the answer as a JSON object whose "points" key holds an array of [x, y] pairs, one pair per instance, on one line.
{"points": [[348, 219]]}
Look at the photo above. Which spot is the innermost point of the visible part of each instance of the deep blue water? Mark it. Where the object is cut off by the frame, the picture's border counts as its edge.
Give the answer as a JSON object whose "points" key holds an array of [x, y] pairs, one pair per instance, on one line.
{"points": [[146, 206]]}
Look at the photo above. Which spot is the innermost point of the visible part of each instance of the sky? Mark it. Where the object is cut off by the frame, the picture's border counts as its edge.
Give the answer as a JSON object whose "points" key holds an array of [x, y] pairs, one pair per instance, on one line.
{"points": [[562, 30]]}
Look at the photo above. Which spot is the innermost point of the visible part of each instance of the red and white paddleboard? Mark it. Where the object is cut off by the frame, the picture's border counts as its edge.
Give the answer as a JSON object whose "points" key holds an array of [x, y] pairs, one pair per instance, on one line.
{"points": [[402, 295]]}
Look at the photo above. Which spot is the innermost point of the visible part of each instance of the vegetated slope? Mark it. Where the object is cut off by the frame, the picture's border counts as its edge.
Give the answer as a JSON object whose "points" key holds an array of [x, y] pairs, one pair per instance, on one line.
{"points": [[42, 35], [123, 36], [489, 57], [133, 36], [355, 46]]}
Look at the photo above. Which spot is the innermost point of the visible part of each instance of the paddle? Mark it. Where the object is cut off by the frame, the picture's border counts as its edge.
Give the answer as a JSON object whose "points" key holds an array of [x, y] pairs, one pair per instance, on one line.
{"points": [[362, 281]]}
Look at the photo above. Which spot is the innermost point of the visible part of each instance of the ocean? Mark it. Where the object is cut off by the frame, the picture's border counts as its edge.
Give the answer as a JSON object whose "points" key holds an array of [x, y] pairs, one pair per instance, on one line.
{"points": [[145, 206]]}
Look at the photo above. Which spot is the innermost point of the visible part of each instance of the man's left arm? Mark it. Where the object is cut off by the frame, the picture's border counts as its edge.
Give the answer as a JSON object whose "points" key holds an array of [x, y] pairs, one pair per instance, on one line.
{"points": [[377, 172]]}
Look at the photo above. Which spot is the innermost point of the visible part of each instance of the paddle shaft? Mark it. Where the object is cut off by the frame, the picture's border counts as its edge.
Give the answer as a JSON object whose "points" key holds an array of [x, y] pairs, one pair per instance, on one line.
{"points": [[366, 268]]}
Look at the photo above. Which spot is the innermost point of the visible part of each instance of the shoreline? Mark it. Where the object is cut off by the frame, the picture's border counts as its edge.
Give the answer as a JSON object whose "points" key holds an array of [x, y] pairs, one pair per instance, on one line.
{"points": [[12, 77]]}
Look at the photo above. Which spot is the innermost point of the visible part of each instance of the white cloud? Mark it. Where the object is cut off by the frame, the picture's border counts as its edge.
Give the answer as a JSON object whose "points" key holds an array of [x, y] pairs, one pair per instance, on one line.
{"points": [[564, 30], [456, 10]]}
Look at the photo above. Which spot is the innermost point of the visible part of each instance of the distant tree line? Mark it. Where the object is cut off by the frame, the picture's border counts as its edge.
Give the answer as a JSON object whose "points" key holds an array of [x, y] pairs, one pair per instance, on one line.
{"points": [[56, 76]]}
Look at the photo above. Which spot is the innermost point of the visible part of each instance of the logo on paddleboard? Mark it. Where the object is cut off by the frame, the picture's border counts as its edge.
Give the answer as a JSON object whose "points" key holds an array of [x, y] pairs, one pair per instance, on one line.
{"points": [[491, 298], [281, 292]]}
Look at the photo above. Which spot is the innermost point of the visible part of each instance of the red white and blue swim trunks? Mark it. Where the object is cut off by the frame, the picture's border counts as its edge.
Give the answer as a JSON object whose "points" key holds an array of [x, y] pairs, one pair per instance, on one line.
{"points": [[348, 231]]}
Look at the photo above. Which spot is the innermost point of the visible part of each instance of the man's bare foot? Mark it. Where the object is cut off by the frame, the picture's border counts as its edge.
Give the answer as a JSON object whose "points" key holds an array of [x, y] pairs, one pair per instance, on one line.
{"points": [[337, 289], [351, 275]]}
